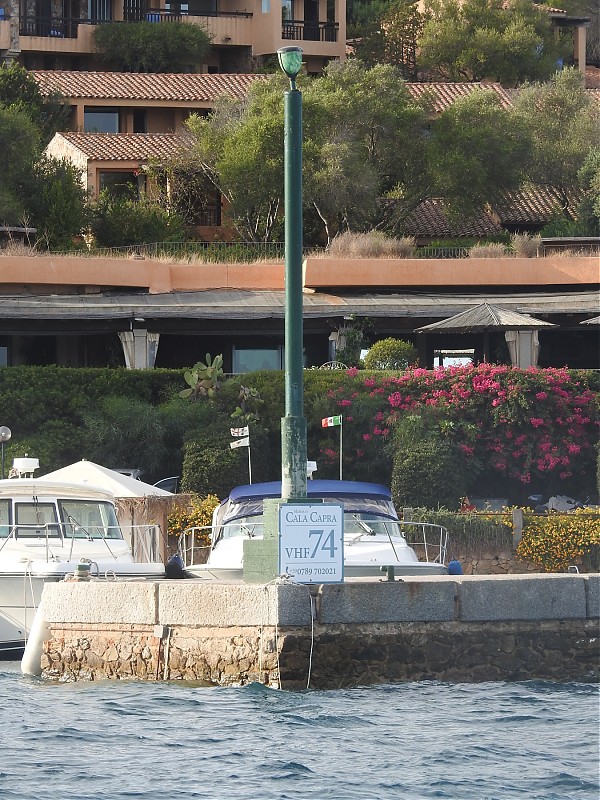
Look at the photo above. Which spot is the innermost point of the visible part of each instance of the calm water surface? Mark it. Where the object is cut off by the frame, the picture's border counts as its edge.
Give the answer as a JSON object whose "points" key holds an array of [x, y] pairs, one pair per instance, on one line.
{"points": [[487, 741]]}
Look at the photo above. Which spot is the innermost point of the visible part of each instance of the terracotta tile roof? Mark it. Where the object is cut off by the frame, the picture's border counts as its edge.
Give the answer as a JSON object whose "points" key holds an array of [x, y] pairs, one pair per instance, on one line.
{"points": [[126, 146], [534, 205], [201, 89], [445, 94], [429, 219]]}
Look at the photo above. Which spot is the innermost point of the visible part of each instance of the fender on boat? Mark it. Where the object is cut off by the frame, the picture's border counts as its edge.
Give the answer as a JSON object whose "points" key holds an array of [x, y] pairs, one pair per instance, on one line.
{"points": [[31, 663]]}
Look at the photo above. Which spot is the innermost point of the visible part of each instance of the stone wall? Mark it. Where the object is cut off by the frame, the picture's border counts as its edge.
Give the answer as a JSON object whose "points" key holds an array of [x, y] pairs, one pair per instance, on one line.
{"points": [[328, 636], [347, 656], [338, 656], [492, 561], [224, 657]]}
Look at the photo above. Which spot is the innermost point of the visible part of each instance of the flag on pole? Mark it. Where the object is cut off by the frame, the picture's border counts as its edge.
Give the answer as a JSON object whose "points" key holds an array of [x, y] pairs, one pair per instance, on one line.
{"points": [[239, 431], [330, 422], [245, 442]]}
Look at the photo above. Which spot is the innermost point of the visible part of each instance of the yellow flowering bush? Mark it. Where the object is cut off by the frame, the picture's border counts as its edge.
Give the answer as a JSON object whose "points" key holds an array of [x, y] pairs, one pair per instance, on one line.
{"points": [[558, 540], [196, 515]]}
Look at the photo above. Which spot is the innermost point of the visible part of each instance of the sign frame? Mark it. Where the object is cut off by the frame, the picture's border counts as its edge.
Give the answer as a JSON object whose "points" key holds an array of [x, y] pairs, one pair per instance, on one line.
{"points": [[311, 542]]}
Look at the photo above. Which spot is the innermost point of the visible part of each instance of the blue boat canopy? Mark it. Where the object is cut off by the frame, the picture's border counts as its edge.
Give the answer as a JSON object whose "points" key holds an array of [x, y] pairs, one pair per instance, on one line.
{"points": [[314, 488]]}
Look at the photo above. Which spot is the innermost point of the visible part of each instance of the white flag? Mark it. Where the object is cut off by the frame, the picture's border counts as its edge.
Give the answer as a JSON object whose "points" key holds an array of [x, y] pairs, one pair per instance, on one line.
{"points": [[240, 443], [239, 431]]}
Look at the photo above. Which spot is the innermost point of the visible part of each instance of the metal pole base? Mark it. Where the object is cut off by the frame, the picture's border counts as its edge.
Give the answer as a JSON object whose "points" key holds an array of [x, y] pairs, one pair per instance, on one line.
{"points": [[293, 458]]}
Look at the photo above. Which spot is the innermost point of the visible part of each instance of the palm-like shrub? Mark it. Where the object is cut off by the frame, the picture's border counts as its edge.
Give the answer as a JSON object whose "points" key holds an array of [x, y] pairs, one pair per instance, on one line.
{"points": [[373, 244], [525, 245]]}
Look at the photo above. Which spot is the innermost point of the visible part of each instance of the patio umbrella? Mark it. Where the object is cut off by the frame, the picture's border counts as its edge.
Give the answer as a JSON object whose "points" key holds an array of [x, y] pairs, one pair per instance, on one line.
{"points": [[520, 330]]}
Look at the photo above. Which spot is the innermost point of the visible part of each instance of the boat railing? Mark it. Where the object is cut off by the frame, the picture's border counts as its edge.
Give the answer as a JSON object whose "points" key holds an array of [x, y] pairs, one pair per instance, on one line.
{"points": [[144, 540], [194, 545], [428, 540], [46, 532]]}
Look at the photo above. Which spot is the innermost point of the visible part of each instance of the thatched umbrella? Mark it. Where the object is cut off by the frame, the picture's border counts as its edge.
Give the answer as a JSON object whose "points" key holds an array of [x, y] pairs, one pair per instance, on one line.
{"points": [[520, 330]]}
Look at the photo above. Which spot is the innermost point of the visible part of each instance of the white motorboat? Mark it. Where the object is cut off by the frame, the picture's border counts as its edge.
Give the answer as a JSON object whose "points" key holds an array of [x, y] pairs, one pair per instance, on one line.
{"points": [[50, 530], [375, 539]]}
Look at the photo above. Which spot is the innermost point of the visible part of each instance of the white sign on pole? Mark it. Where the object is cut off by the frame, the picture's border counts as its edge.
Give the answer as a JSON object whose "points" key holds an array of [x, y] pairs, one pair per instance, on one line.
{"points": [[240, 443], [311, 542], [240, 431]]}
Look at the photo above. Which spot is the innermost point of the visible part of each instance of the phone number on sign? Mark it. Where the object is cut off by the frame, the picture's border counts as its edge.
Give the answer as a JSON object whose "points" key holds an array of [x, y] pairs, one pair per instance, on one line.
{"points": [[314, 571]]}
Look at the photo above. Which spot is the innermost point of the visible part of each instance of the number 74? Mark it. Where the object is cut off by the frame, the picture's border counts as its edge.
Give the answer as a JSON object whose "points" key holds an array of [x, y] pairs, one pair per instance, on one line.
{"points": [[327, 545]]}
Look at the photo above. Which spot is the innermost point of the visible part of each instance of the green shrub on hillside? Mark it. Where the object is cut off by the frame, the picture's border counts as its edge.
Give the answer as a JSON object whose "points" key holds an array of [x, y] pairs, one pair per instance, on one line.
{"points": [[391, 353], [210, 466], [427, 473], [126, 432], [149, 47], [45, 408], [124, 221]]}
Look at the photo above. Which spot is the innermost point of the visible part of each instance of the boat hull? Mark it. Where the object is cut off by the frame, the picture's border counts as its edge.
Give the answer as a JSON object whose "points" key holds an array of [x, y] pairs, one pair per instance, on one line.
{"points": [[351, 570], [51, 530], [20, 595], [364, 557]]}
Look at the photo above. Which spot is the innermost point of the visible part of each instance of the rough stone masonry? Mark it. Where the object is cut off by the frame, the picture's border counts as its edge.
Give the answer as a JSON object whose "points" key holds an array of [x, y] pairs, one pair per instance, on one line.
{"points": [[451, 628]]}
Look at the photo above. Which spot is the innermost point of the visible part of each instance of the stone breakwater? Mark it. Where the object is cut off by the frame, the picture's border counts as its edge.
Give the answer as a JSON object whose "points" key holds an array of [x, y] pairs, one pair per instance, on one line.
{"points": [[452, 628]]}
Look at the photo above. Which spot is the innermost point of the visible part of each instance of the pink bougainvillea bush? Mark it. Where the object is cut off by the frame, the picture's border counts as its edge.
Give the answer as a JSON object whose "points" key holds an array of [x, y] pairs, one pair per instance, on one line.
{"points": [[522, 431]]}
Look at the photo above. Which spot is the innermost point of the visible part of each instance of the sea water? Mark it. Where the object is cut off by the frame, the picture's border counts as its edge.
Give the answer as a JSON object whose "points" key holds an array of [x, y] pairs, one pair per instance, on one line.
{"points": [[170, 741]]}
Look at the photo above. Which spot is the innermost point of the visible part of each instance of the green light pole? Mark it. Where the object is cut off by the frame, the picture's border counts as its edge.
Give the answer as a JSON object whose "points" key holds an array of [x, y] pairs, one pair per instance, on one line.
{"points": [[293, 425], [261, 556]]}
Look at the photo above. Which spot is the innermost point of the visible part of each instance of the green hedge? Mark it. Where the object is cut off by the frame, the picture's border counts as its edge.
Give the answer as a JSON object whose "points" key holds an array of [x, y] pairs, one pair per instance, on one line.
{"points": [[61, 415], [46, 407], [469, 531]]}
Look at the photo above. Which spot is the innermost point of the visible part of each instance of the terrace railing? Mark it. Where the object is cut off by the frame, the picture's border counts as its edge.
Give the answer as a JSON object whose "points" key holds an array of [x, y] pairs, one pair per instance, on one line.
{"points": [[57, 27], [67, 27], [223, 252], [303, 30], [212, 252]]}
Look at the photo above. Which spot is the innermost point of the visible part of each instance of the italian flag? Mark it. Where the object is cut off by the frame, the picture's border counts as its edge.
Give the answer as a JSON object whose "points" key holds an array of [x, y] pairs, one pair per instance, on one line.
{"points": [[329, 422]]}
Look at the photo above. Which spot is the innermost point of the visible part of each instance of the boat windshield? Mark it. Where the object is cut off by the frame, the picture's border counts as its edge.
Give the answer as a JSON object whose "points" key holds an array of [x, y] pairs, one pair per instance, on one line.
{"points": [[372, 524], [249, 507], [79, 519], [36, 519], [354, 523], [244, 526], [85, 519]]}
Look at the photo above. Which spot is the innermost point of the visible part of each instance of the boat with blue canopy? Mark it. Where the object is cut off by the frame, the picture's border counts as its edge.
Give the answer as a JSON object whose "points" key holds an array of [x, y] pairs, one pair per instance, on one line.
{"points": [[375, 539]]}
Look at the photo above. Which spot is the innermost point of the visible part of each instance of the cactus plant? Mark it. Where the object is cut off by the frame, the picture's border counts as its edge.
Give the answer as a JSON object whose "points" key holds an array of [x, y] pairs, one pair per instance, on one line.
{"points": [[203, 379]]}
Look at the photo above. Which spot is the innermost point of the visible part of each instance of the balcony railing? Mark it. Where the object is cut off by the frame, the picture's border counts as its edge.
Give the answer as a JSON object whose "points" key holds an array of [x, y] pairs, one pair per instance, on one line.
{"points": [[303, 30], [160, 15], [59, 27], [66, 28]]}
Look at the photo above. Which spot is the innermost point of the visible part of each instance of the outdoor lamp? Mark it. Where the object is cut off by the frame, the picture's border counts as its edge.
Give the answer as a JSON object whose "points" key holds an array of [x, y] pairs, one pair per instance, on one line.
{"points": [[290, 61]]}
